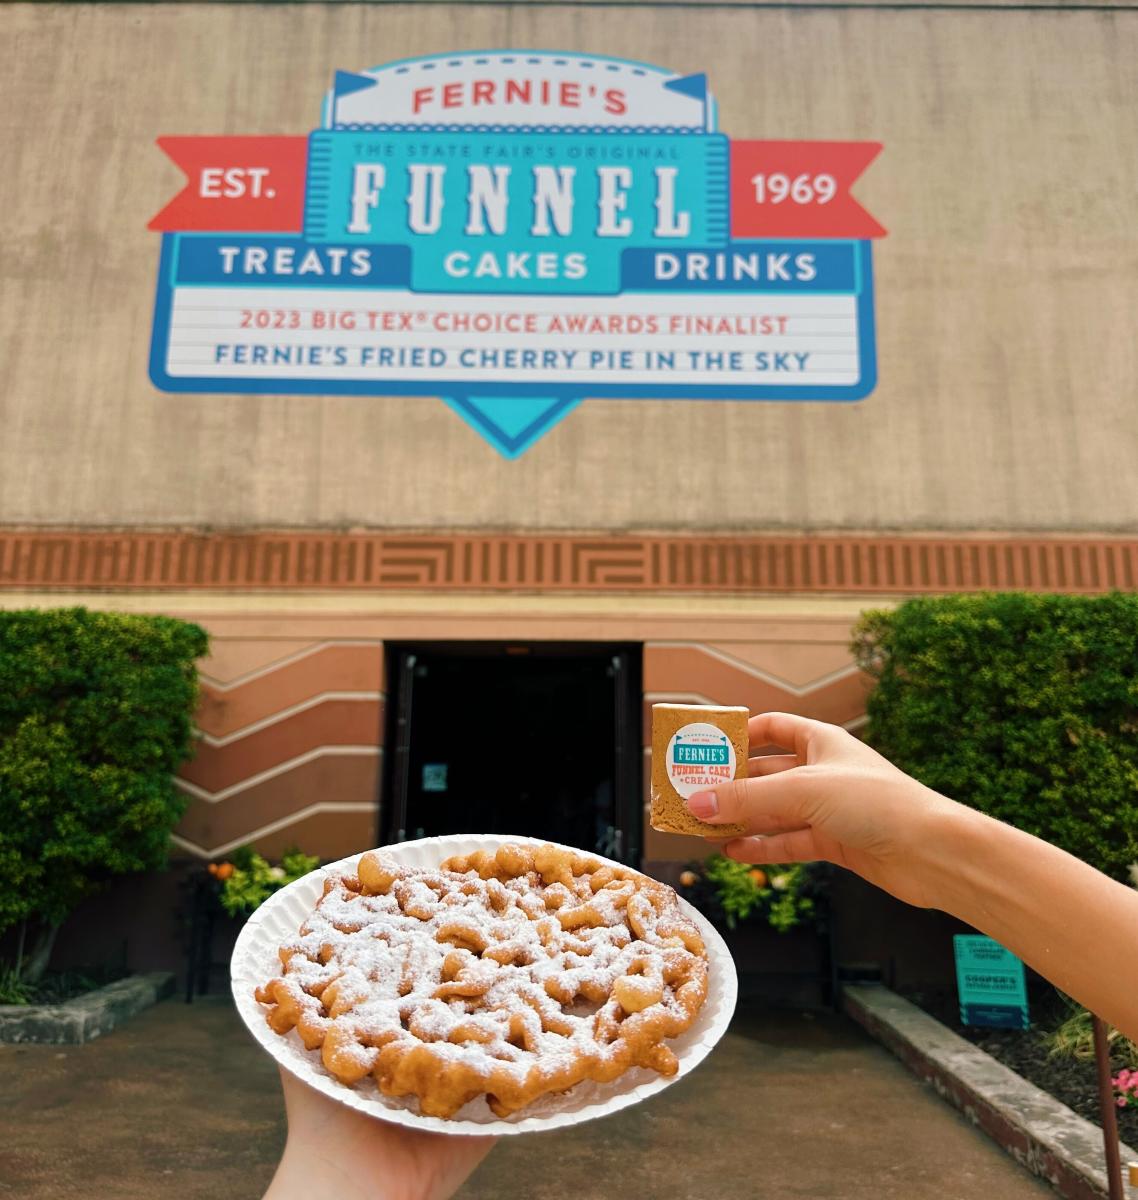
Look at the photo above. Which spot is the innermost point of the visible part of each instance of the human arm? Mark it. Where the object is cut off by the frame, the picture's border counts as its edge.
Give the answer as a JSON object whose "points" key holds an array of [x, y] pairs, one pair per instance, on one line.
{"points": [[333, 1150], [835, 799]]}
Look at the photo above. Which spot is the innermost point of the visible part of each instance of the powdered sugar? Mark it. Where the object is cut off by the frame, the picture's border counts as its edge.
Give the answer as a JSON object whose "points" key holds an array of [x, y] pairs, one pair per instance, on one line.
{"points": [[489, 972], [277, 921]]}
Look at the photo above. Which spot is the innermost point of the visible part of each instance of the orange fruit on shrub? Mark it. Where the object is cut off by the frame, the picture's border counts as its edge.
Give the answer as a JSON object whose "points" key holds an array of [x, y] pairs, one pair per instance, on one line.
{"points": [[759, 877]]}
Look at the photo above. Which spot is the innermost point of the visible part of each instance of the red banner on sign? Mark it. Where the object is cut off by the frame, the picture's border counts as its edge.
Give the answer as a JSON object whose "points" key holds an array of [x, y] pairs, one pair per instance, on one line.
{"points": [[778, 189], [236, 184], [800, 189]]}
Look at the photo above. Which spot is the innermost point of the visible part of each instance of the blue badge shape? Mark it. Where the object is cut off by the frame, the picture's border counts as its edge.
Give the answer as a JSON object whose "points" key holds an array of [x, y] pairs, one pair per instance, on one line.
{"points": [[512, 232], [511, 424]]}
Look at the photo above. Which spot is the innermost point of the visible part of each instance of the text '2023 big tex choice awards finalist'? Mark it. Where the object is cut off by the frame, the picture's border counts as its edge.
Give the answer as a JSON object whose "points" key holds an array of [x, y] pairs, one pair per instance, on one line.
{"points": [[515, 232]]}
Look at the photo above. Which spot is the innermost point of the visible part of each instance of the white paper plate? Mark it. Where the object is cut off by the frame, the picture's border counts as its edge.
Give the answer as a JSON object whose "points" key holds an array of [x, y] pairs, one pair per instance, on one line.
{"points": [[255, 962]]}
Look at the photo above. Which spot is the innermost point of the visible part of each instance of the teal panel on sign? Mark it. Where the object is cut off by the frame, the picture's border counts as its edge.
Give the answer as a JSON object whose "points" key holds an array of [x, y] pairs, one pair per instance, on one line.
{"points": [[991, 983], [511, 423], [500, 212], [994, 1016]]}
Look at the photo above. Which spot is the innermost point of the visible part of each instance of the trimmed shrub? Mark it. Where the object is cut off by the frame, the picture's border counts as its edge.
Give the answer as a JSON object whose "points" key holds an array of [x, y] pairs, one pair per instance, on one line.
{"points": [[1023, 706], [96, 714]]}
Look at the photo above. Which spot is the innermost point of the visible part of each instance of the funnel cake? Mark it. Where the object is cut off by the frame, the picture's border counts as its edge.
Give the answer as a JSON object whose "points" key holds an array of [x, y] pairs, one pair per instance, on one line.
{"points": [[509, 974]]}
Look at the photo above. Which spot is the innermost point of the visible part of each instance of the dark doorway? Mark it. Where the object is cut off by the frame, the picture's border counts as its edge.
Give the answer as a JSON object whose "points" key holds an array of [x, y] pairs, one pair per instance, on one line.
{"points": [[536, 739]]}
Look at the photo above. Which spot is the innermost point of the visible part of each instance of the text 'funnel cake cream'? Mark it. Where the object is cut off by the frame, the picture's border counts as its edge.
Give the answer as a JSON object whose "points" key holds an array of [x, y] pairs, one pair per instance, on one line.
{"points": [[695, 747]]}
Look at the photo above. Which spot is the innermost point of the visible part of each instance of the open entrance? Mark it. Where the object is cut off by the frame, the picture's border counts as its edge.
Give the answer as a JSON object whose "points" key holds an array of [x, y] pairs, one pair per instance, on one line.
{"points": [[538, 739]]}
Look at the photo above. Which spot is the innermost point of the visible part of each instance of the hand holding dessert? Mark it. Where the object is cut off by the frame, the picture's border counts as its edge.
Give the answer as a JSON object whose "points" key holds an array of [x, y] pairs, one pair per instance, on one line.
{"points": [[827, 796], [333, 1150]]}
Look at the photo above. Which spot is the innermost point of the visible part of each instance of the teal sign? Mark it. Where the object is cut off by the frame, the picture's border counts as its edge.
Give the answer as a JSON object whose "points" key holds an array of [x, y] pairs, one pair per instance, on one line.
{"points": [[991, 983], [683, 752], [517, 212], [514, 231]]}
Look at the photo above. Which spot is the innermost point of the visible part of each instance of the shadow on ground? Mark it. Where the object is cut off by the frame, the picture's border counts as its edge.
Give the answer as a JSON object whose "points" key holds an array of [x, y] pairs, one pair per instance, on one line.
{"points": [[182, 1102]]}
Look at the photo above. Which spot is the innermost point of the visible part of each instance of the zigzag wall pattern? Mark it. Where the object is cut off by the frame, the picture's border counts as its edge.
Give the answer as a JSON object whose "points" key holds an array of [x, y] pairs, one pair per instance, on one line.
{"points": [[290, 749]]}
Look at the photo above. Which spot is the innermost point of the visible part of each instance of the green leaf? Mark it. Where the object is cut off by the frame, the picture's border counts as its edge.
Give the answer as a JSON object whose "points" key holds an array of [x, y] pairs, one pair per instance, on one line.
{"points": [[1023, 706], [96, 713]]}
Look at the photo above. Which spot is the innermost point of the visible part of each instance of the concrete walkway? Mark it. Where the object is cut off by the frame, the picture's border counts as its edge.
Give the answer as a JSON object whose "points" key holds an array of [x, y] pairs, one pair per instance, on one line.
{"points": [[181, 1102]]}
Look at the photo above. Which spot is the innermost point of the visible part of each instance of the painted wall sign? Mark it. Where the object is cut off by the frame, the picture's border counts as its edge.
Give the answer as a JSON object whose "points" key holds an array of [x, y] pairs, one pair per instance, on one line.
{"points": [[514, 232], [991, 983]]}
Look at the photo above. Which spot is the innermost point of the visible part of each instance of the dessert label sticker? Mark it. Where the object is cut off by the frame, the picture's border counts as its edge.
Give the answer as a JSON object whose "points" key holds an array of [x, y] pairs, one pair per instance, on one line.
{"points": [[513, 232], [699, 756]]}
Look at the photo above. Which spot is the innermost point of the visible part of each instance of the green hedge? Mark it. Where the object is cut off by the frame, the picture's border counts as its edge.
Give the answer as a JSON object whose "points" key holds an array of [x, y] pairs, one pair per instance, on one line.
{"points": [[95, 715], [1024, 706]]}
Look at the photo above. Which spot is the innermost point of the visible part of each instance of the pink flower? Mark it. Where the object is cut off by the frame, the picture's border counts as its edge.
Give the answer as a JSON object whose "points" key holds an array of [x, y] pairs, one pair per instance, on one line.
{"points": [[1126, 1088]]}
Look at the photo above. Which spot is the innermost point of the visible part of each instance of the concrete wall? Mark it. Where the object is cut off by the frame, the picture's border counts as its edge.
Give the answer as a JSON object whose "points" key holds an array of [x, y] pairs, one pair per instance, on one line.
{"points": [[1006, 289]]}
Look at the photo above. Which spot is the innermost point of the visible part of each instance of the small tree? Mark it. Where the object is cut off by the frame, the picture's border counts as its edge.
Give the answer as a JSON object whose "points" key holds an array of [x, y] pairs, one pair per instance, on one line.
{"points": [[95, 716], [1024, 706]]}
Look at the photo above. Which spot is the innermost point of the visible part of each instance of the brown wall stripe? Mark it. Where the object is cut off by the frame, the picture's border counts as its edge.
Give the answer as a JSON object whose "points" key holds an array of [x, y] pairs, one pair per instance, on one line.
{"points": [[156, 561], [224, 711], [330, 723], [329, 835], [683, 673], [341, 779]]}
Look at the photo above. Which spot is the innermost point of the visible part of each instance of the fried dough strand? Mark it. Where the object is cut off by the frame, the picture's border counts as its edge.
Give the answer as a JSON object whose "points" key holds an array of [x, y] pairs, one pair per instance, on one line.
{"points": [[507, 974]]}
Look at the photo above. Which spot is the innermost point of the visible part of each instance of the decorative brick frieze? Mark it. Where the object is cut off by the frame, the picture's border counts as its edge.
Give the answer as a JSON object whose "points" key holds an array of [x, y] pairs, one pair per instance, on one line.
{"points": [[839, 564]]}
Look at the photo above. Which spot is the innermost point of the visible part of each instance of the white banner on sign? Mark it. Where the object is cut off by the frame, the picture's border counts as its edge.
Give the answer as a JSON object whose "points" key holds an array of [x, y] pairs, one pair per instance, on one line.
{"points": [[519, 89], [651, 338]]}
